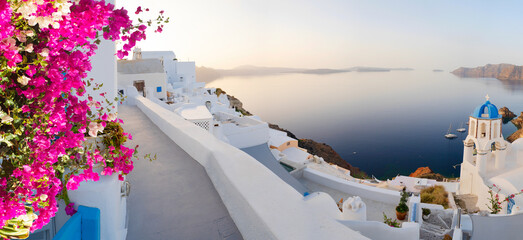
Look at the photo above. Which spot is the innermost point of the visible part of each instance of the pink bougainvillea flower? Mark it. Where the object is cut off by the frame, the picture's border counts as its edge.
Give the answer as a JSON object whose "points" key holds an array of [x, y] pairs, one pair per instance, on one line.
{"points": [[138, 10], [46, 48], [69, 209]]}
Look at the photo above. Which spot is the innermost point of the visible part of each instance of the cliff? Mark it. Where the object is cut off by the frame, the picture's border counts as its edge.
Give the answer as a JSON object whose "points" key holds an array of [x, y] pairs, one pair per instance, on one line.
{"points": [[420, 171], [426, 172], [516, 135], [518, 122], [506, 114], [329, 155], [500, 71], [235, 102]]}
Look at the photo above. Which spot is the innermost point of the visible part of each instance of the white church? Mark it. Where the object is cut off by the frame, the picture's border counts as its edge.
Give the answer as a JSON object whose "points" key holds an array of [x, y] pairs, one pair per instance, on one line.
{"points": [[488, 159]]}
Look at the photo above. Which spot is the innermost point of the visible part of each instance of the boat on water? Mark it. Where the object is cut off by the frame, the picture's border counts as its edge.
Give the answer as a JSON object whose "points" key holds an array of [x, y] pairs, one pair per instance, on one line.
{"points": [[461, 128], [450, 135]]}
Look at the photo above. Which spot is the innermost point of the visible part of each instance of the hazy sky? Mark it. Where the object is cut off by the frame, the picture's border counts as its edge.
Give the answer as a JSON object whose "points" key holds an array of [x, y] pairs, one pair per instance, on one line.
{"points": [[421, 34]]}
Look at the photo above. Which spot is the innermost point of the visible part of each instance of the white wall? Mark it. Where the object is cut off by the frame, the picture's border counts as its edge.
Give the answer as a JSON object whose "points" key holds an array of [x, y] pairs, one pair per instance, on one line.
{"points": [[187, 70], [251, 132], [381, 231], [168, 62], [452, 187], [104, 195], [243, 137], [150, 79], [353, 188], [261, 204], [104, 71]]}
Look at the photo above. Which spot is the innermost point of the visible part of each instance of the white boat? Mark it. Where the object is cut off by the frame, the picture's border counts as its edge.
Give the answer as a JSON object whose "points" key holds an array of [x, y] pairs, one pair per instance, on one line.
{"points": [[450, 135], [461, 128]]}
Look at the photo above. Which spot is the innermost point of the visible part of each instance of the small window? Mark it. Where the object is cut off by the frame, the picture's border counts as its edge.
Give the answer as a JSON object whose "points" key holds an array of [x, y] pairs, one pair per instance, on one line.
{"points": [[158, 89]]}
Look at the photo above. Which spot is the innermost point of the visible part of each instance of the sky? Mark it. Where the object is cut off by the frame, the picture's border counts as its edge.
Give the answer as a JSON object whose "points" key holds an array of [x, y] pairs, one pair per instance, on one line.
{"points": [[421, 34]]}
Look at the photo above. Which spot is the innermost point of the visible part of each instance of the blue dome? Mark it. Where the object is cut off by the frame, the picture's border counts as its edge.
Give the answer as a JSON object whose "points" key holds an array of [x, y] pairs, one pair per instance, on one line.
{"points": [[486, 111]]}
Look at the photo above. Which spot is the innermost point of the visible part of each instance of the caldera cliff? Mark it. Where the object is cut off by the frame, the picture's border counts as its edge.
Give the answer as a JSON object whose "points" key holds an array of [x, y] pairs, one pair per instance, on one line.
{"points": [[502, 71], [518, 122]]}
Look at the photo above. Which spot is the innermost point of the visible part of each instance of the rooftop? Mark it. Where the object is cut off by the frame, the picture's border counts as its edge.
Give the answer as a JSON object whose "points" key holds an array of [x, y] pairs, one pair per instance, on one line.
{"points": [[193, 112], [296, 155], [278, 140]]}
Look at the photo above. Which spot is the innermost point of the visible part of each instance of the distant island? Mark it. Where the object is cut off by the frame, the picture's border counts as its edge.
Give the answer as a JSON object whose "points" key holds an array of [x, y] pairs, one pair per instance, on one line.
{"points": [[206, 74], [502, 71], [437, 70]]}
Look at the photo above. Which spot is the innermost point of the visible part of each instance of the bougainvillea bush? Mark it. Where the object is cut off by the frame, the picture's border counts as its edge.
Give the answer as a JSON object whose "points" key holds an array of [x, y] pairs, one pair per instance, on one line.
{"points": [[45, 50], [495, 204]]}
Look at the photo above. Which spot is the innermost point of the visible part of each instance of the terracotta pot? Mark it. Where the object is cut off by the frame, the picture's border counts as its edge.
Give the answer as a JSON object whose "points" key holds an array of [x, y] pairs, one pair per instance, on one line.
{"points": [[401, 215]]}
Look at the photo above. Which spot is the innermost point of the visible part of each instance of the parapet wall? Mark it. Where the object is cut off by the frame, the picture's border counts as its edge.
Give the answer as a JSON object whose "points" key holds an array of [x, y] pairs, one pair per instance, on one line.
{"points": [[353, 188], [380, 231], [262, 205]]}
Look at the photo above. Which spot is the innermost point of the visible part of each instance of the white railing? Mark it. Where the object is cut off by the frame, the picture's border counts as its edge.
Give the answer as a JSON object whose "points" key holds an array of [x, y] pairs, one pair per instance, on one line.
{"points": [[261, 204]]}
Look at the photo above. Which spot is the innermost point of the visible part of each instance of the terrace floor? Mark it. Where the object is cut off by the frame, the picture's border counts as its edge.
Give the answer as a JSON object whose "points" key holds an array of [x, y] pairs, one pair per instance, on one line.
{"points": [[172, 197]]}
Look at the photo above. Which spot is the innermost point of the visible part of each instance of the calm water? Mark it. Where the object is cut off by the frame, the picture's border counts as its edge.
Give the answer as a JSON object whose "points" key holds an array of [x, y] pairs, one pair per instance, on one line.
{"points": [[386, 123]]}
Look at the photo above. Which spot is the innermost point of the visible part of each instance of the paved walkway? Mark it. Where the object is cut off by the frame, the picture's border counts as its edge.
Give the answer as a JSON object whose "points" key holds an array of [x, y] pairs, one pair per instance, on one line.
{"points": [[172, 197], [265, 157]]}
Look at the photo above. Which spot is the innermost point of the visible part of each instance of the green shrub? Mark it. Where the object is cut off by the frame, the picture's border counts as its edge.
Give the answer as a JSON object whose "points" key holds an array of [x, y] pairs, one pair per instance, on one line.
{"points": [[426, 211], [427, 198], [402, 206], [435, 195]]}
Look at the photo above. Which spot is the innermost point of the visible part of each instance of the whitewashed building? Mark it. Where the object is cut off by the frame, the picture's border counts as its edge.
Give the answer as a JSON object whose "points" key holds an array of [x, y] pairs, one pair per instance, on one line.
{"points": [[488, 159], [181, 76], [143, 74]]}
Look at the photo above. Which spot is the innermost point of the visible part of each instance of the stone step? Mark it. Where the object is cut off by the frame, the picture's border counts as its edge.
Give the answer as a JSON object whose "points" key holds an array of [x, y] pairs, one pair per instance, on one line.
{"points": [[467, 202], [429, 231]]}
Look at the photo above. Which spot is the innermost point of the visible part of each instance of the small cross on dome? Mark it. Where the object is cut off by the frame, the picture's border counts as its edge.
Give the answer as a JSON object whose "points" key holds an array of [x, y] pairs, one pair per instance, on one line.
{"points": [[487, 97]]}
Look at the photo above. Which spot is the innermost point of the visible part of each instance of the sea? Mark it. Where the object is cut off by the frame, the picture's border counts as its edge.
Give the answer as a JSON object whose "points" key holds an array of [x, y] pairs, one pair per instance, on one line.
{"points": [[385, 123]]}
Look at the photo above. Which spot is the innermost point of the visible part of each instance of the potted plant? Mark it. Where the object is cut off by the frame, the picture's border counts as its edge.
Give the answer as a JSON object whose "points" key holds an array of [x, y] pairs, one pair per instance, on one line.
{"points": [[45, 51], [402, 208]]}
